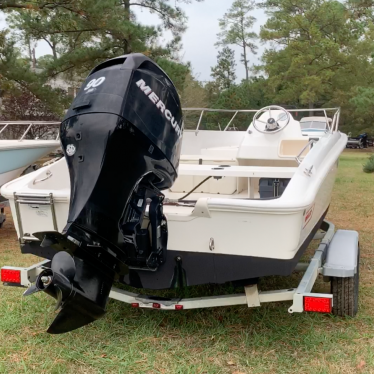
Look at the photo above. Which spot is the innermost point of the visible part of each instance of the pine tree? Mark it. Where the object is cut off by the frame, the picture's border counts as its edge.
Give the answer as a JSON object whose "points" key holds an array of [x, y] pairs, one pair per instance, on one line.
{"points": [[322, 50], [236, 27], [82, 33], [224, 72]]}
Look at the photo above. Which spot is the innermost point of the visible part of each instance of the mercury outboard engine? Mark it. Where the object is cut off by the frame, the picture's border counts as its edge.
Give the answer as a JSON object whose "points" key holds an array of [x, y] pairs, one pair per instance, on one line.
{"points": [[121, 138]]}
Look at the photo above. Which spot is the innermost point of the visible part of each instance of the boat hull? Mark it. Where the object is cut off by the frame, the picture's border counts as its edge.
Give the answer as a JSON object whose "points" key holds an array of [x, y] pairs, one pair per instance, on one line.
{"points": [[10, 175], [187, 268], [15, 157]]}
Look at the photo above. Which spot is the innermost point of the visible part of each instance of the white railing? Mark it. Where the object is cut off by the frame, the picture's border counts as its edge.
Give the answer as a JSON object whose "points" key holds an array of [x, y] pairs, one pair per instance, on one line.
{"points": [[332, 127], [29, 125]]}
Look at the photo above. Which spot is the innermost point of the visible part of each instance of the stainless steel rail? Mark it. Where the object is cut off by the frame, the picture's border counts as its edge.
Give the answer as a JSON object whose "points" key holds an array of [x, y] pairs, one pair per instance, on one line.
{"points": [[298, 159], [29, 125], [334, 125]]}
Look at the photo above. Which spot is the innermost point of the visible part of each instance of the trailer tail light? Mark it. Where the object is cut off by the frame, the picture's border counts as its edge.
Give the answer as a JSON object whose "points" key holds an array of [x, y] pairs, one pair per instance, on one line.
{"points": [[10, 276], [317, 304], [135, 305], [178, 307], [156, 305]]}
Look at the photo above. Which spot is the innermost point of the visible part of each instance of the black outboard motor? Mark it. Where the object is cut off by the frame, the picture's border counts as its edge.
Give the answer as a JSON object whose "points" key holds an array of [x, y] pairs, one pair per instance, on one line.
{"points": [[122, 139], [364, 138]]}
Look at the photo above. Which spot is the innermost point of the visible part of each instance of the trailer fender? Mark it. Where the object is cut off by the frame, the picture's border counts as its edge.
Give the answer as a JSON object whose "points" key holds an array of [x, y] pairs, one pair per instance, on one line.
{"points": [[342, 255]]}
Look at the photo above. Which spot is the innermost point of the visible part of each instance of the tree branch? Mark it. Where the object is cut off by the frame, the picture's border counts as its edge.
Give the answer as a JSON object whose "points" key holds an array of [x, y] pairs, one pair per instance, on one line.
{"points": [[153, 8]]}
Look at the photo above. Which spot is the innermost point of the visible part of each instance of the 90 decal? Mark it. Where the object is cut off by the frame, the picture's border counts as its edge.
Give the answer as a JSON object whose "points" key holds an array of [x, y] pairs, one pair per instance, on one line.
{"points": [[94, 83]]}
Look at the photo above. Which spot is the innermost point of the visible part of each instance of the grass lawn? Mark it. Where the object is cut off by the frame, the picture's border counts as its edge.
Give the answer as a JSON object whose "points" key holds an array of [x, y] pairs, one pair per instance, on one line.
{"points": [[221, 340]]}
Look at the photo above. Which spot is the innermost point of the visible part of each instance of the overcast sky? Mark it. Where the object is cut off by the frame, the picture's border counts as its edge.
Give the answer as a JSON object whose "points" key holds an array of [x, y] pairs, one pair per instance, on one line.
{"points": [[200, 37]]}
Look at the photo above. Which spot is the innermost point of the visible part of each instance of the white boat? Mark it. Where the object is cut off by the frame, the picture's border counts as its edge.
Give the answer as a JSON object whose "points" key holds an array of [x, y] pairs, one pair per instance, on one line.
{"points": [[17, 154], [138, 201], [226, 216], [315, 127]]}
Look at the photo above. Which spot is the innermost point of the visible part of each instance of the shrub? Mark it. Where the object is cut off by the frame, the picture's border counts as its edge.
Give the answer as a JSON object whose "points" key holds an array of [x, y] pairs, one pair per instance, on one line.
{"points": [[369, 166]]}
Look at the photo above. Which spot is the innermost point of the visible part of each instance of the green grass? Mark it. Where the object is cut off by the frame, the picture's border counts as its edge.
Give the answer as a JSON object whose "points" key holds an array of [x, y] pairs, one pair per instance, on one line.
{"points": [[220, 340]]}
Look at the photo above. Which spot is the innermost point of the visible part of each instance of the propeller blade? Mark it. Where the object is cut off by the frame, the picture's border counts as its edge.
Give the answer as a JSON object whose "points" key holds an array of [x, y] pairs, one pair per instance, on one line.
{"points": [[64, 264], [58, 298], [32, 289]]}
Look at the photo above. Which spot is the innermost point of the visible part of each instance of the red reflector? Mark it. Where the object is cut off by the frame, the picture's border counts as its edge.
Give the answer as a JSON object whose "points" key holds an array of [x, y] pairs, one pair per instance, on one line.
{"points": [[317, 304], [135, 305], [11, 276], [178, 307], [156, 305]]}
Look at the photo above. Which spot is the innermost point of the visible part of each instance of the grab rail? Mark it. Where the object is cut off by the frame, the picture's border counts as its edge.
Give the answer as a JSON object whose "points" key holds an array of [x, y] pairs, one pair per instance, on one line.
{"points": [[228, 125], [198, 124], [29, 125], [49, 175], [298, 159], [334, 124]]}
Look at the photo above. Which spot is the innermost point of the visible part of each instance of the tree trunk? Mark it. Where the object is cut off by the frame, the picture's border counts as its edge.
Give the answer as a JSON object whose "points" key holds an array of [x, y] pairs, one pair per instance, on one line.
{"points": [[127, 42], [311, 106], [33, 59], [245, 62], [29, 49], [244, 48], [54, 52]]}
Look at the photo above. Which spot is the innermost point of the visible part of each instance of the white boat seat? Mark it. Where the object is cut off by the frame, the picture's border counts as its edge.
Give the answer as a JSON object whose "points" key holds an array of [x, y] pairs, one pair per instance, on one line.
{"points": [[226, 153], [237, 171], [209, 156], [194, 174], [292, 147]]}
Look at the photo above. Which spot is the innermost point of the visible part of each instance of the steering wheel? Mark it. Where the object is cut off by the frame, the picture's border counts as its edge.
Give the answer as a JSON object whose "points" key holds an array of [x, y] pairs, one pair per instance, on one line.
{"points": [[272, 125]]}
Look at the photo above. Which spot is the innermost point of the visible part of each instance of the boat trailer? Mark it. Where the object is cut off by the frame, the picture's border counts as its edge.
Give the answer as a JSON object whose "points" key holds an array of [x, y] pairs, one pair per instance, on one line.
{"points": [[336, 258], [4, 203]]}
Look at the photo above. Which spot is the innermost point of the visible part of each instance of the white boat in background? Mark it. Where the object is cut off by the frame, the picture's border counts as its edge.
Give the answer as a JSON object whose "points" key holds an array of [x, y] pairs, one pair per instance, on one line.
{"points": [[17, 154], [315, 127]]}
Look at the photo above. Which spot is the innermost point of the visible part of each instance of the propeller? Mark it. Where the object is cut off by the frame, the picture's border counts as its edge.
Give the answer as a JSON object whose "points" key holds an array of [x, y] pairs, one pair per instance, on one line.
{"points": [[32, 289], [62, 270], [59, 298], [64, 264], [81, 290]]}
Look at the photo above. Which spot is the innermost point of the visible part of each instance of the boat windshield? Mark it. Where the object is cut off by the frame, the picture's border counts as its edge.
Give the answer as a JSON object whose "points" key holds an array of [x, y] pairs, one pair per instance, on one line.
{"points": [[313, 125]]}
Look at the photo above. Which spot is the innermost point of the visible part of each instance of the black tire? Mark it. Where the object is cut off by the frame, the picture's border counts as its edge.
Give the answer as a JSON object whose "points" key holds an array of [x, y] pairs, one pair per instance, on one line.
{"points": [[345, 293]]}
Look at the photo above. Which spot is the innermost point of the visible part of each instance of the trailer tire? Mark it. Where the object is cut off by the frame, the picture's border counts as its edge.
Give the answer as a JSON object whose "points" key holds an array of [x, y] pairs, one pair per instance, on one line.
{"points": [[345, 294]]}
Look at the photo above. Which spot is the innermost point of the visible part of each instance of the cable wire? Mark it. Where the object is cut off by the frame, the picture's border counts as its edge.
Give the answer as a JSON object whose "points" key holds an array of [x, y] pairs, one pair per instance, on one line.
{"points": [[196, 187]]}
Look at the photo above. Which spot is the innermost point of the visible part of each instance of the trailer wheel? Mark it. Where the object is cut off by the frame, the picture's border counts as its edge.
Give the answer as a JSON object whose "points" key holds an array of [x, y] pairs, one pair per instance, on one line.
{"points": [[345, 294]]}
